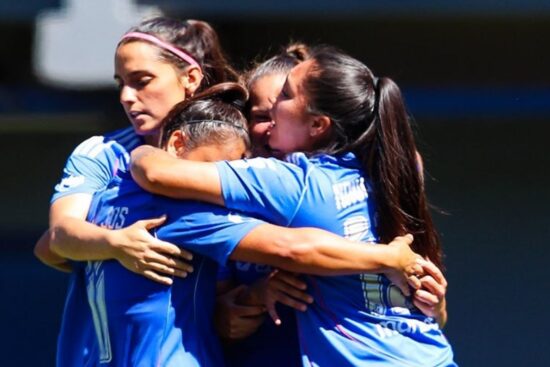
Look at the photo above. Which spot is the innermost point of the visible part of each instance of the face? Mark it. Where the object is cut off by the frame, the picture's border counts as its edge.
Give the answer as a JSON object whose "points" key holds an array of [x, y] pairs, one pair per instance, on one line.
{"points": [[230, 150], [263, 93], [291, 122], [149, 87]]}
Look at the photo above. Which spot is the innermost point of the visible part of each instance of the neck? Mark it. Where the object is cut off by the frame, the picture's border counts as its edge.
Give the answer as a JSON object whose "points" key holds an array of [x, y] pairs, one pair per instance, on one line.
{"points": [[153, 139]]}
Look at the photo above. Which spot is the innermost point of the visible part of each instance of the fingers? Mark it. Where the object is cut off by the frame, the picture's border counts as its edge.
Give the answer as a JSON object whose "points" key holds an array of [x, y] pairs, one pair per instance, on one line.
{"points": [[168, 262], [166, 270], [431, 285], [170, 249], [414, 282], [426, 297], [157, 278], [272, 311], [426, 309], [289, 278], [430, 268], [152, 223]]}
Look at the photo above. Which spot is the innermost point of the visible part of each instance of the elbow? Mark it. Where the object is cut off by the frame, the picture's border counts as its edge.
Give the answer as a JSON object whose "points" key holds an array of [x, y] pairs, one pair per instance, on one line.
{"points": [[55, 241]]}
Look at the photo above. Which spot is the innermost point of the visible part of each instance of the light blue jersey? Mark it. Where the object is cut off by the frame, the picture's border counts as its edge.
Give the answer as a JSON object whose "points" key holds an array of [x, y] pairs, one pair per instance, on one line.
{"points": [[89, 169], [355, 320], [95, 162], [139, 322]]}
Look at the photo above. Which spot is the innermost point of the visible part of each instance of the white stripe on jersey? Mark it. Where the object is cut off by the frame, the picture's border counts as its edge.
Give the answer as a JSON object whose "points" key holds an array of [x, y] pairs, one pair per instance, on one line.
{"points": [[94, 152], [87, 145], [125, 138]]}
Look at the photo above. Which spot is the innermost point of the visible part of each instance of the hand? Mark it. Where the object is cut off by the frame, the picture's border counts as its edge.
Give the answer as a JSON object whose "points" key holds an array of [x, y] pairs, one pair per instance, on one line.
{"points": [[430, 297], [286, 288], [235, 321], [140, 252], [406, 265]]}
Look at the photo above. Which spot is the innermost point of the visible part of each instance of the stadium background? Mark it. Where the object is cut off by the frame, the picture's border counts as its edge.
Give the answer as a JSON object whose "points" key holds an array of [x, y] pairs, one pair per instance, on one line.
{"points": [[475, 77]]}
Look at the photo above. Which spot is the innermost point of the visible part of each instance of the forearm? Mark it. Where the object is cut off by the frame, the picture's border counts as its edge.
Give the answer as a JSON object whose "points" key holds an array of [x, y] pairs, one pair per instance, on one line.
{"points": [[158, 172], [311, 251], [76, 239]]}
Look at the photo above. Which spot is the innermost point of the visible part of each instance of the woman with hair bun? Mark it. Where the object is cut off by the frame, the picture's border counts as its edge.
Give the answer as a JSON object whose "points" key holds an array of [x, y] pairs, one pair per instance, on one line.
{"points": [[356, 176], [139, 322]]}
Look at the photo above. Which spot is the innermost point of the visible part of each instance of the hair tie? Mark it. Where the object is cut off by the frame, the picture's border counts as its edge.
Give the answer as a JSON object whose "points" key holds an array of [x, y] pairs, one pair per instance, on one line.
{"points": [[164, 45]]}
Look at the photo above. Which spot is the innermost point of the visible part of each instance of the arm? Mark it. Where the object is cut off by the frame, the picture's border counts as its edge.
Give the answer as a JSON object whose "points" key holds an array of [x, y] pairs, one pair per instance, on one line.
{"points": [[318, 252], [74, 238], [157, 171], [75, 206], [44, 253]]}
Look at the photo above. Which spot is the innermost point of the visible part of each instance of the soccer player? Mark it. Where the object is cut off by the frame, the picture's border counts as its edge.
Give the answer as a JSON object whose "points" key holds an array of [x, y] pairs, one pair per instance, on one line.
{"points": [[360, 179], [158, 63], [141, 322]]}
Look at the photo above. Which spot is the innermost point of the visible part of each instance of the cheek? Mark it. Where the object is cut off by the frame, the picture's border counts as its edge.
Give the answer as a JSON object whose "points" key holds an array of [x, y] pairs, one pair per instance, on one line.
{"points": [[259, 131]]}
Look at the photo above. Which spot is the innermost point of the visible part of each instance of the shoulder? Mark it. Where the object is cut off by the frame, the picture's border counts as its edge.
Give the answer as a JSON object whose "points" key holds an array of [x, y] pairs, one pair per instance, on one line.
{"points": [[120, 141]]}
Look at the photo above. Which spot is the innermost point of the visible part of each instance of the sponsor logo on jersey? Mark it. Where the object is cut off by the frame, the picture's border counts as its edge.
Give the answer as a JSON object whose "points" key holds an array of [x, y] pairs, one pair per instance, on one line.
{"points": [[349, 193], [69, 182]]}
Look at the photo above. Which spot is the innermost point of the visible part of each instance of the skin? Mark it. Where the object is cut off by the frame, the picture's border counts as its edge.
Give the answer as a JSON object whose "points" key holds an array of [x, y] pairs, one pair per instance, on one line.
{"points": [[149, 88], [263, 93], [294, 130]]}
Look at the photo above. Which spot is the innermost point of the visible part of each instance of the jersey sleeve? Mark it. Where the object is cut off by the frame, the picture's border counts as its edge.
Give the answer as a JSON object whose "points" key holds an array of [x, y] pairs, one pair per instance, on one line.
{"points": [[268, 188], [208, 230], [89, 169]]}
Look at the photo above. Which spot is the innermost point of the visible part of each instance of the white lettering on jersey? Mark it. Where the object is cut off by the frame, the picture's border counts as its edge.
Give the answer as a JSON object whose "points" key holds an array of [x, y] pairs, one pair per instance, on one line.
{"points": [[116, 216], [69, 182], [391, 328], [349, 193]]}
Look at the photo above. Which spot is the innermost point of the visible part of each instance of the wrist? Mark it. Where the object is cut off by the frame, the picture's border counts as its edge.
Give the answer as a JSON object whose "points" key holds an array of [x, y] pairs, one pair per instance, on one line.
{"points": [[112, 241]]}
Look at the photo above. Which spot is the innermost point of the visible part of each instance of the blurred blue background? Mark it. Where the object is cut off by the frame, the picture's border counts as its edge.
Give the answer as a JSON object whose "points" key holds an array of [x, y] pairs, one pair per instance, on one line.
{"points": [[475, 77]]}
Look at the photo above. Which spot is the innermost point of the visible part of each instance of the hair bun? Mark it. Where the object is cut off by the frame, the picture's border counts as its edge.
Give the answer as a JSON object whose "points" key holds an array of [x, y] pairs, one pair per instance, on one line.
{"points": [[229, 92], [299, 51]]}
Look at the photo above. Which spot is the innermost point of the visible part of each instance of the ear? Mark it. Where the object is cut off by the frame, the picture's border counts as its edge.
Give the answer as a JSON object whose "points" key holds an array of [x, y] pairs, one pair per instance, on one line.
{"points": [[191, 80], [320, 125], [176, 145]]}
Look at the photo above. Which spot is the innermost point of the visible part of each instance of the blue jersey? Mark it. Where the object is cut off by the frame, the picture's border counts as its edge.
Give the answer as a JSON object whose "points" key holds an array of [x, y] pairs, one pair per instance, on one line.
{"points": [[355, 320], [141, 322], [265, 346], [89, 169], [95, 162]]}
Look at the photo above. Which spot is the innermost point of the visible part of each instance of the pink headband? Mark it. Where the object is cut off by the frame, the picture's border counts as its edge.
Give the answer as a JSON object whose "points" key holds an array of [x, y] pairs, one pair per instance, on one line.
{"points": [[165, 45]]}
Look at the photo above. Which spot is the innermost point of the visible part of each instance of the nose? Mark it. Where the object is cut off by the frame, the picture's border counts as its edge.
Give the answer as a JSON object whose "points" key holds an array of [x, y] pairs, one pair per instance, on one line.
{"points": [[127, 95]]}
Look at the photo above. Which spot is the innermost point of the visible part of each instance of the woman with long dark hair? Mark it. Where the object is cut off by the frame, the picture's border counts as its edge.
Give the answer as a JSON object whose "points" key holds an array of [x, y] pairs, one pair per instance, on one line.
{"points": [[358, 178]]}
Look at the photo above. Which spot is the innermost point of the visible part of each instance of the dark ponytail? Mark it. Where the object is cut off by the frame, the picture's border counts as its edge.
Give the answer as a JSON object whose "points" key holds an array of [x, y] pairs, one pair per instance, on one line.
{"points": [[369, 118], [401, 201]]}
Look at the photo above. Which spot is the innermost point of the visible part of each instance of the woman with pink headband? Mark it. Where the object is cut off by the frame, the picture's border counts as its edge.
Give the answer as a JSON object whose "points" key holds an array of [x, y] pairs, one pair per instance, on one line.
{"points": [[158, 64]]}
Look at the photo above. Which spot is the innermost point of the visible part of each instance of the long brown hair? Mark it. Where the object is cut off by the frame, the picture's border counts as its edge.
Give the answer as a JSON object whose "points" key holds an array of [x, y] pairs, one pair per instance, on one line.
{"points": [[369, 118], [195, 37]]}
